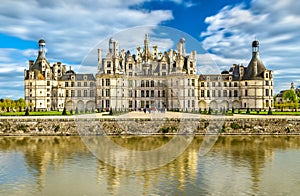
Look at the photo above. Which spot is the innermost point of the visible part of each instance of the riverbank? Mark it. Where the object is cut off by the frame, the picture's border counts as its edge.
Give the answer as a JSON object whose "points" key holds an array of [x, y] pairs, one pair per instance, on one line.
{"points": [[139, 123]]}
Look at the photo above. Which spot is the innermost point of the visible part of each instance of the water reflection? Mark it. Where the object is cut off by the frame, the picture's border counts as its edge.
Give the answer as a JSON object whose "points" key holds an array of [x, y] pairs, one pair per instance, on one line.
{"points": [[235, 165]]}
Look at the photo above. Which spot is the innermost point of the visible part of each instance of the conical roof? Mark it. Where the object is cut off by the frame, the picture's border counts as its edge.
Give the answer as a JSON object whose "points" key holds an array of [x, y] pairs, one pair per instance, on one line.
{"points": [[255, 67], [253, 73]]}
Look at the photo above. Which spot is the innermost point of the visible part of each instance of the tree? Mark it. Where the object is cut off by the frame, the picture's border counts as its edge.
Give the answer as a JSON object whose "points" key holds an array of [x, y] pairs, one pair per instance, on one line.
{"points": [[64, 111], [27, 112], [290, 96]]}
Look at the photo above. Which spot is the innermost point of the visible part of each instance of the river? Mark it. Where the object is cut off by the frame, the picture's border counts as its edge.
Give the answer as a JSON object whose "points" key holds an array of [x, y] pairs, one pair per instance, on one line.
{"points": [[235, 165]]}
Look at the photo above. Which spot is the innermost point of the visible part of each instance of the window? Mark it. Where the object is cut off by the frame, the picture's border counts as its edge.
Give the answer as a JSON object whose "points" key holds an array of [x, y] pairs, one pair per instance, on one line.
{"points": [[158, 93], [235, 84], [163, 66], [85, 84], [163, 93], [147, 83], [67, 93], [246, 83], [85, 93], [66, 84], [219, 93], [219, 84], [130, 66], [130, 73], [193, 92], [79, 93], [92, 94], [142, 93], [107, 82], [235, 93], [129, 83], [107, 102], [91, 84], [147, 93], [108, 71], [48, 83], [107, 92], [191, 71], [152, 93], [230, 94], [267, 83], [72, 84], [213, 93], [225, 93], [108, 64], [202, 84], [163, 74], [213, 84], [229, 84], [246, 92], [267, 92], [130, 104], [193, 82], [130, 93], [158, 83], [202, 93], [191, 65], [72, 93], [267, 75], [79, 84], [225, 84], [152, 83], [142, 83]]}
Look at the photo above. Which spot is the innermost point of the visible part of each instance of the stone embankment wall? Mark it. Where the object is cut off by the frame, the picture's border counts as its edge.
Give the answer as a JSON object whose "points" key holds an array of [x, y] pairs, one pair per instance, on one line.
{"points": [[73, 126]]}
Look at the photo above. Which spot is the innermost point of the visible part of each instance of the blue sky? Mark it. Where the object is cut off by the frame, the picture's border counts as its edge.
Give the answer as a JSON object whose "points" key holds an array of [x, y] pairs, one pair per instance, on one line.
{"points": [[224, 28]]}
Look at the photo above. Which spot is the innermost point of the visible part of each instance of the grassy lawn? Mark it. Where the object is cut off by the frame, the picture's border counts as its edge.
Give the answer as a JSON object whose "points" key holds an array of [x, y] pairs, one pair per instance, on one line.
{"points": [[266, 112], [48, 113]]}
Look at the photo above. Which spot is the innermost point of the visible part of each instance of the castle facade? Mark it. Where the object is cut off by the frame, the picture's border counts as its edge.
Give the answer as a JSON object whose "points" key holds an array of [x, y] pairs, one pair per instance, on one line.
{"points": [[148, 79]]}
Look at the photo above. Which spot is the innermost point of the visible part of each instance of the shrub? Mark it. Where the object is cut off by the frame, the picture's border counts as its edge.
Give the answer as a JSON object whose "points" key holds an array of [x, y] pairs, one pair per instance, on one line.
{"points": [[64, 112], [27, 112], [270, 111]]}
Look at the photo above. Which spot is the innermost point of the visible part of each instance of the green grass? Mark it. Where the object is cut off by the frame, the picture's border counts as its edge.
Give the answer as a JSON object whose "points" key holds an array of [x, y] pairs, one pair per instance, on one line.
{"points": [[48, 113]]}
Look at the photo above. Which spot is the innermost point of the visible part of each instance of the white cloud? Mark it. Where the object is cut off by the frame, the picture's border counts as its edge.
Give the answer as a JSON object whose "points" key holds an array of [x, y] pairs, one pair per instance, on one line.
{"points": [[274, 23], [70, 27]]}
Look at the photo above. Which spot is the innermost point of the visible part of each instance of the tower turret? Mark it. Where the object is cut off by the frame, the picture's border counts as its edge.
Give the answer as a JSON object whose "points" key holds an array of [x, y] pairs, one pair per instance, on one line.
{"points": [[42, 48]]}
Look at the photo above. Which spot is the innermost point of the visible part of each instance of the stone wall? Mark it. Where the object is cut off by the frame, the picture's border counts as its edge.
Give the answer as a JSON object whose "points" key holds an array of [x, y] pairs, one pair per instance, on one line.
{"points": [[93, 126]]}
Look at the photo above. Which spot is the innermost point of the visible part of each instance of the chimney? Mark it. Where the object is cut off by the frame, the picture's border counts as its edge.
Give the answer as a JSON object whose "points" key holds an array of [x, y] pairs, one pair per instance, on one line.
{"points": [[99, 59]]}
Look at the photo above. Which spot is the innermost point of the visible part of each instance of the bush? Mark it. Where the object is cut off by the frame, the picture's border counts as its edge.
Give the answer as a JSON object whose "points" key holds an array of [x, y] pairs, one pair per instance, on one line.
{"points": [[64, 112], [27, 112], [248, 111], [270, 111]]}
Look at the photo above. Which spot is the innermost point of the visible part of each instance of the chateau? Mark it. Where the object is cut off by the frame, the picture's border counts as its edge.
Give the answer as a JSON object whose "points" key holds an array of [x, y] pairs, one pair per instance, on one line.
{"points": [[147, 79]]}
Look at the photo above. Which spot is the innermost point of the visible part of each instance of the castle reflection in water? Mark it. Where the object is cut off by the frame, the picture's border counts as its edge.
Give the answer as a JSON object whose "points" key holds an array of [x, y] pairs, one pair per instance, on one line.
{"points": [[66, 164]]}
